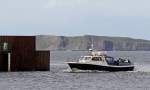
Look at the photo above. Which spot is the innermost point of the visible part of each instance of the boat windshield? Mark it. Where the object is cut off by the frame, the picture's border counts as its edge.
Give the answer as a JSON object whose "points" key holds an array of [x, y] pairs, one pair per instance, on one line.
{"points": [[110, 60]]}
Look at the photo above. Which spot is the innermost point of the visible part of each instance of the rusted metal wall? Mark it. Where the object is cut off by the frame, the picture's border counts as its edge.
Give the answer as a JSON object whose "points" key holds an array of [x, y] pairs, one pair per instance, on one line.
{"points": [[23, 53], [42, 60]]}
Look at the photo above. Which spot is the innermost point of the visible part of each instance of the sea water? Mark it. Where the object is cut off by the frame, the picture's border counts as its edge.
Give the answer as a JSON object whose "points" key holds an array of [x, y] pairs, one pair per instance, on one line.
{"points": [[60, 78]]}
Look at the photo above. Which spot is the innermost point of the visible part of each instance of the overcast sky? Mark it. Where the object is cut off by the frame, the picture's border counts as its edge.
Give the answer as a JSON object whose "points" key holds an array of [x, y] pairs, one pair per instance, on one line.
{"points": [[127, 18]]}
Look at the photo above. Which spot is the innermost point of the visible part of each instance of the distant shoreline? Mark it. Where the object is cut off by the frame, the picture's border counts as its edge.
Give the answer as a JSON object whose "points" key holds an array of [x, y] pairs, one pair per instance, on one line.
{"points": [[83, 43]]}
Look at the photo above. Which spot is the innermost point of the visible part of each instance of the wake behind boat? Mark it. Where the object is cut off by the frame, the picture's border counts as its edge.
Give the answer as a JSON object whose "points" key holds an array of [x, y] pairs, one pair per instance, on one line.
{"points": [[100, 61]]}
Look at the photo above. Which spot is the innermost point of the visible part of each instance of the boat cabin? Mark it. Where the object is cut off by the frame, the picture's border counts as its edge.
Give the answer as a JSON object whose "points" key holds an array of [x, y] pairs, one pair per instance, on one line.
{"points": [[108, 59], [103, 58]]}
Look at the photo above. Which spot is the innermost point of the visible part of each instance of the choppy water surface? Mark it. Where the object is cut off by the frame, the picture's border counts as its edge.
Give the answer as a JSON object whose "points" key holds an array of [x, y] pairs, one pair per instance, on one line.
{"points": [[60, 79]]}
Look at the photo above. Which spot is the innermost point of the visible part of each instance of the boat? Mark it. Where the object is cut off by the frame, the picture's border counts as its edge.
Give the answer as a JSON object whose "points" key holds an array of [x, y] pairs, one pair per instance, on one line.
{"points": [[100, 61]]}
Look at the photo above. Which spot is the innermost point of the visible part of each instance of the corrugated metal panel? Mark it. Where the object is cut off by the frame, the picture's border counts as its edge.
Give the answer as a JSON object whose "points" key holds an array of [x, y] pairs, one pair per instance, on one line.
{"points": [[23, 53], [43, 60]]}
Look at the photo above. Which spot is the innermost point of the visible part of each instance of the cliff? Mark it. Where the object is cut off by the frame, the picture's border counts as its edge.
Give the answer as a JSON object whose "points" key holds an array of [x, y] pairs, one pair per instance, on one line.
{"points": [[48, 42]]}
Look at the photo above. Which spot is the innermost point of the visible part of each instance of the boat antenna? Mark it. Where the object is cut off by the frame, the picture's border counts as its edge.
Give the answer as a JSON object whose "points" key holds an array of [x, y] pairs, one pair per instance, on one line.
{"points": [[92, 45]]}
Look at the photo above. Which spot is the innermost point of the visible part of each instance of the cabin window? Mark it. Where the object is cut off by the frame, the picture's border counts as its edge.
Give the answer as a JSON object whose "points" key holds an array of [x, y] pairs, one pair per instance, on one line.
{"points": [[87, 58], [96, 59], [100, 58]]}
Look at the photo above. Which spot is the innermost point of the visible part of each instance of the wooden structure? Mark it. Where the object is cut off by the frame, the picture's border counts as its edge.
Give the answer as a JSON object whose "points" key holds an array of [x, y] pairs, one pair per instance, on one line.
{"points": [[18, 53]]}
